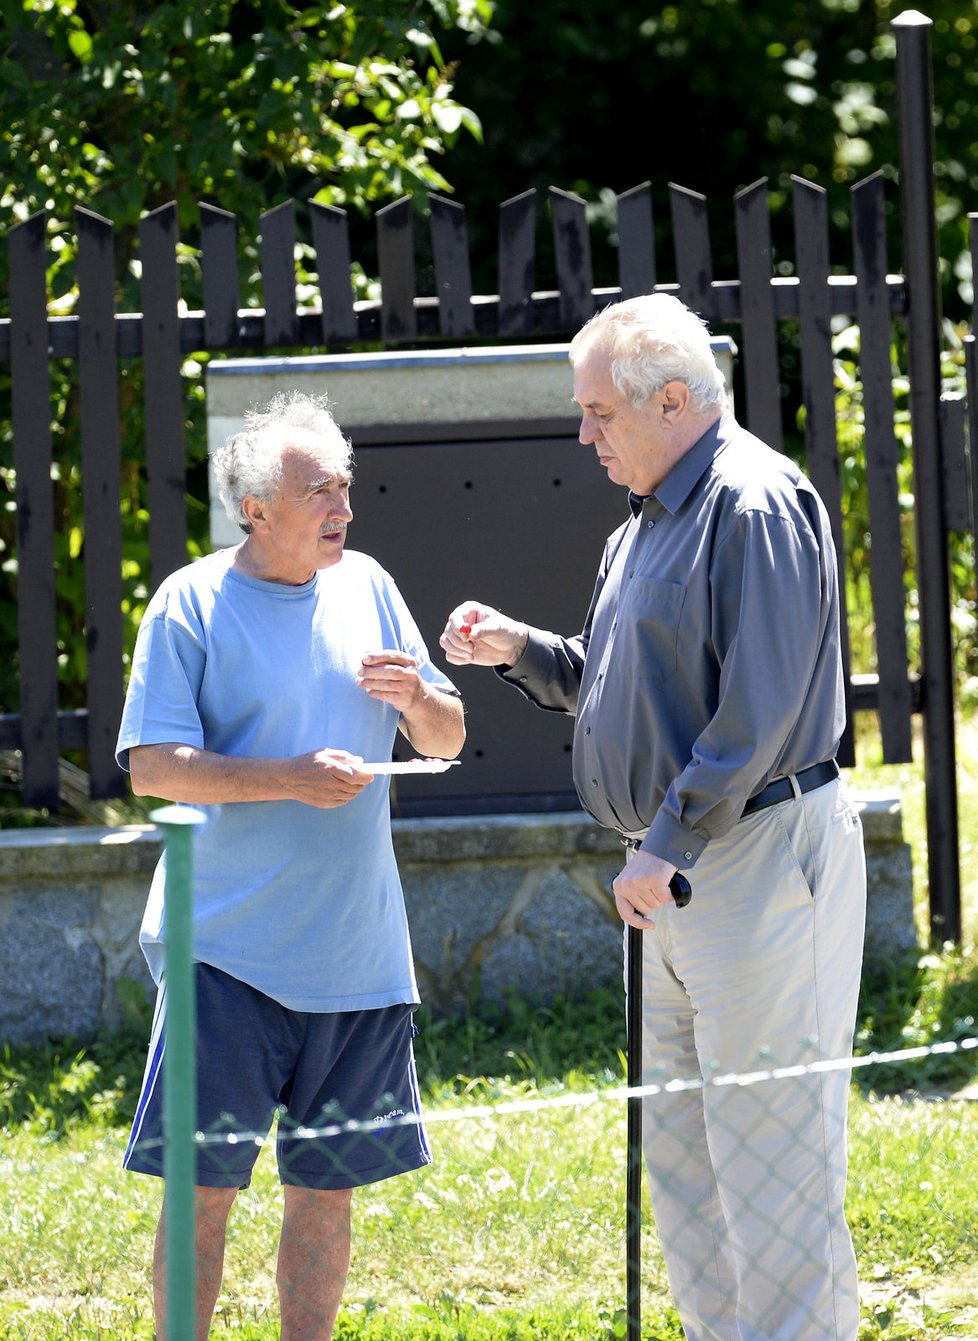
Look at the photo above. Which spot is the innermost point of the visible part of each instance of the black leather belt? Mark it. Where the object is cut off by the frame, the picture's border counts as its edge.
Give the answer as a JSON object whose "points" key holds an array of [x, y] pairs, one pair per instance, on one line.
{"points": [[781, 789]]}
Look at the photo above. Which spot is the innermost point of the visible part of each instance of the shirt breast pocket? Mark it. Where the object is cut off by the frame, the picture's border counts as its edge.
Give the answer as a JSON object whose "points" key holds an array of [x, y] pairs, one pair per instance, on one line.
{"points": [[654, 613]]}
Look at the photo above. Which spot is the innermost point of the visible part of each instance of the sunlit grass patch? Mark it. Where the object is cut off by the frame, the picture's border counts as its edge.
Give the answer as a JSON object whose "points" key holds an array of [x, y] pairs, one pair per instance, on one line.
{"points": [[516, 1230]]}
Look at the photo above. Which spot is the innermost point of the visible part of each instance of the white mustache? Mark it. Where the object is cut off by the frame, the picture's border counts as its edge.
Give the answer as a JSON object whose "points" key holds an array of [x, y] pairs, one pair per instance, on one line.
{"points": [[333, 528]]}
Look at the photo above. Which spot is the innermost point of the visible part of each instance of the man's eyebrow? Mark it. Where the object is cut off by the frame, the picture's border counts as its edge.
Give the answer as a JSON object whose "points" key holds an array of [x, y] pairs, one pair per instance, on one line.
{"points": [[330, 477]]}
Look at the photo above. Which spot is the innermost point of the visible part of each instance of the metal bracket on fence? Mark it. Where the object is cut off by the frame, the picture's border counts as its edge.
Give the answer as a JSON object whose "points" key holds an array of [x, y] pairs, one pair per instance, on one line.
{"points": [[179, 1072]]}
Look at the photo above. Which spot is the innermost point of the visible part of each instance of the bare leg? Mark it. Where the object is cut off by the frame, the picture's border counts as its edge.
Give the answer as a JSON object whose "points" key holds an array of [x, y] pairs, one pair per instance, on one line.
{"points": [[213, 1205], [313, 1261]]}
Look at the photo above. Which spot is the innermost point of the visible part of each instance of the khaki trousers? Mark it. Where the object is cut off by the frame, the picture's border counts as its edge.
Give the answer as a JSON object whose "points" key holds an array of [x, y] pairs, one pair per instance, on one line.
{"points": [[761, 970]]}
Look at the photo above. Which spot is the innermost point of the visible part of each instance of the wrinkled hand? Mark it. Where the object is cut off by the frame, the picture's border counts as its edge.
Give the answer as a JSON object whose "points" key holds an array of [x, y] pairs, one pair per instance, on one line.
{"points": [[641, 888], [327, 778], [478, 635], [392, 677]]}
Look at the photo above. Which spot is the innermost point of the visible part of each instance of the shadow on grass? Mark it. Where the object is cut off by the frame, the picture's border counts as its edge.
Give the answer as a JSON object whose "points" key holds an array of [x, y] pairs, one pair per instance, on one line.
{"points": [[919, 1000], [916, 1000], [523, 1040]]}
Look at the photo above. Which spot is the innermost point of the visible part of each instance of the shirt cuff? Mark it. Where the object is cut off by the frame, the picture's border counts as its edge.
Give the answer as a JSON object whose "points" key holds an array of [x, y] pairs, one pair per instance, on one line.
{"points": [[669, 840], [535, 666]]}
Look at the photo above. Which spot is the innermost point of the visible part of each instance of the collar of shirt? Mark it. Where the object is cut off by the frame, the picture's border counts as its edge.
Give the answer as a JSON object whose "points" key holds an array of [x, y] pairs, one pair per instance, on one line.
{"points": [[681, 480]]}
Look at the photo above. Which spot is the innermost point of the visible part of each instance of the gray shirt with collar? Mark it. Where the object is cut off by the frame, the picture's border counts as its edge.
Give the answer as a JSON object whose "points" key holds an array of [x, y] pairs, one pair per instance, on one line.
{"points": [[710, 661]]}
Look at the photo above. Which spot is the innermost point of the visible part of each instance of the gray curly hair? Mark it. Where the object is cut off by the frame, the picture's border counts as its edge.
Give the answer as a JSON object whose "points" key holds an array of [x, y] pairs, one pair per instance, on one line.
{"points": [[250, 462], [655, 339]]}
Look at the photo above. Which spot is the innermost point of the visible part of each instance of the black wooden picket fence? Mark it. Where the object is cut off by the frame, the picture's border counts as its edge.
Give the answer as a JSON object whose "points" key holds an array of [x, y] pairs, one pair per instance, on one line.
{"points": [[97, 337]]}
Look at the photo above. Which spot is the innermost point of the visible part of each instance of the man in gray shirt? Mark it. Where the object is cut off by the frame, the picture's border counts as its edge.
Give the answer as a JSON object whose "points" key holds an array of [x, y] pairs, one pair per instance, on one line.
{"points": [[707, 688]]}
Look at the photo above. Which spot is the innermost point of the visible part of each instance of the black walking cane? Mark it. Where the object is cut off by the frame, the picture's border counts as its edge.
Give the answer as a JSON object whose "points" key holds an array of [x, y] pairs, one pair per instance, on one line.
{"points": [[681, 892]]}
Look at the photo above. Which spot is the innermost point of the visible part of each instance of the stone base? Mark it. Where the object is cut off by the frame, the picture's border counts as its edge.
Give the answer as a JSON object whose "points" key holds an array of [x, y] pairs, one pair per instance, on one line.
{"points": [[496, 903]]}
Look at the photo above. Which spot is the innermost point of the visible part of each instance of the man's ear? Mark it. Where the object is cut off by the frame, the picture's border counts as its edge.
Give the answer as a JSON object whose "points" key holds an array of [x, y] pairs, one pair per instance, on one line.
{"points": [[675, 400], [254, 511]]}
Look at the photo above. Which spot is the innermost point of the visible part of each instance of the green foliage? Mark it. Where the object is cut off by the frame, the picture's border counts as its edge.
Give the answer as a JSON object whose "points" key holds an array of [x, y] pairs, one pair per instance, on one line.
{"points": [[850, 428], [483, 1053], [541, 1045], [53, 1088], [915, 1002], [236, 102], [57, 1087], [241, 104], [69, 539], [905, 1207], [712, 95]]}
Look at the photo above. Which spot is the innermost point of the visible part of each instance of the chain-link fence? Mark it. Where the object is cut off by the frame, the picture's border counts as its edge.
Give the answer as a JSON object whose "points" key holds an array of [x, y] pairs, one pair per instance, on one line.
{"points": [[523, 1205], [526, 1213]]}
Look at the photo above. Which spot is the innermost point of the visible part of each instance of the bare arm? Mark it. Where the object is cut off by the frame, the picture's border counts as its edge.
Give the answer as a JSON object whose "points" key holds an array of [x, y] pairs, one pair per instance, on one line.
{"points": [[431, 719], [175, 772]]}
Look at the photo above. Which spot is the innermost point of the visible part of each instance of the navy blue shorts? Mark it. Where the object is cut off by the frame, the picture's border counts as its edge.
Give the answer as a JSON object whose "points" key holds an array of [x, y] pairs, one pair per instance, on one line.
{"points": [[256, 1058]]}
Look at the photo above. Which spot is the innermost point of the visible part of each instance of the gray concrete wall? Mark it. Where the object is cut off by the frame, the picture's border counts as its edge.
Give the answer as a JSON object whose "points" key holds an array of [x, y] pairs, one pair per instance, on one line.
{"points": [[495, 902]]}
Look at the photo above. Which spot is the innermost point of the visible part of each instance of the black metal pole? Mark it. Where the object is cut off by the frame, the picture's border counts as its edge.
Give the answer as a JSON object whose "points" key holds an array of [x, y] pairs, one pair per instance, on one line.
{"points": [[682, 892], [971, 372], [916, 130], [633, 1166]]}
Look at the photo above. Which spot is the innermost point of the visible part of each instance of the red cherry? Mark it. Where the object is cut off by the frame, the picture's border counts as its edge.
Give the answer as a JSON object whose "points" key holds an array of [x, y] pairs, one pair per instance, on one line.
{"points": [[465, 630]]}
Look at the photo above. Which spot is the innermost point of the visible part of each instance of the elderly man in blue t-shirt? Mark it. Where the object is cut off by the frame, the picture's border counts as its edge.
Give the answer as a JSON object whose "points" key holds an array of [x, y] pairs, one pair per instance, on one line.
{"points": [[265, 678]]}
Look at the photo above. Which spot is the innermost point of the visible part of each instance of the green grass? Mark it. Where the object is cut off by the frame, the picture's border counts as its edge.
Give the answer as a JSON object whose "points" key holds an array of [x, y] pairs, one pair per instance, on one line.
{"points": [[908, 781], [517, 1230], [518, 1223]]}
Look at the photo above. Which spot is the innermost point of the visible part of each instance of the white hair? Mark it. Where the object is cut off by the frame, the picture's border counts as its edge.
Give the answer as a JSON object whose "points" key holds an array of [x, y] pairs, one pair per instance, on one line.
{"points": [[250, 462], [652, 340]]}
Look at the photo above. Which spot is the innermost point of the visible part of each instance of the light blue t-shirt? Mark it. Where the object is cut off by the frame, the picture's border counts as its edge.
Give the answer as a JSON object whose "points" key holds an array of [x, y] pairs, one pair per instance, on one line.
{"points": [[304, 904]]}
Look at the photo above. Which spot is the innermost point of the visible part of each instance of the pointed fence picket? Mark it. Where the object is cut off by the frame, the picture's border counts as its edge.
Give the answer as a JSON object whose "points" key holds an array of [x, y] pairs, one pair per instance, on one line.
{"points": [[754, 305]]}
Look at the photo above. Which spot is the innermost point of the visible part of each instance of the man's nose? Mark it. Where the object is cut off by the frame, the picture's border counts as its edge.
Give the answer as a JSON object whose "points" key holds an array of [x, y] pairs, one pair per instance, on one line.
{"points": [[588, 432]]}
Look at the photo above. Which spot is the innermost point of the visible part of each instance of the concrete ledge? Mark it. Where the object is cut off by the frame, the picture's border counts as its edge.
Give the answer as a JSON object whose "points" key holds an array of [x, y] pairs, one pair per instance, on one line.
{"points": [[33, 853], [496, 902], [471, 838], [890, 926]]}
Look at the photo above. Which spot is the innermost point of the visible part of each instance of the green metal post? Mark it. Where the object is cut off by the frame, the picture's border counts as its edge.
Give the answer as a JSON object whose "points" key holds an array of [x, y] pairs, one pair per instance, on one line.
{"points": [[179, 1072]]}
